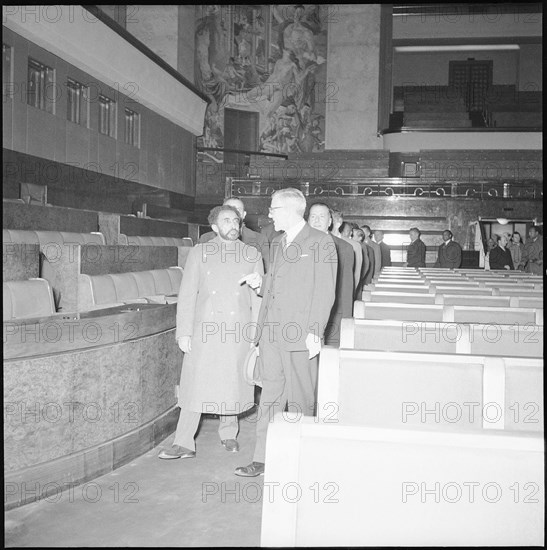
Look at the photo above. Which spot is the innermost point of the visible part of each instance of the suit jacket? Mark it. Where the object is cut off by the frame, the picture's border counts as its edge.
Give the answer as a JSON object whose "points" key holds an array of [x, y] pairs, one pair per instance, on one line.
{"points": [[299, 289], [358, 260], [269, 232], [499, 258], [532, 255], [369, 273], [415, 254], [450, 255], [385, 254], [343, 301], [377, 257], [250, 237]]}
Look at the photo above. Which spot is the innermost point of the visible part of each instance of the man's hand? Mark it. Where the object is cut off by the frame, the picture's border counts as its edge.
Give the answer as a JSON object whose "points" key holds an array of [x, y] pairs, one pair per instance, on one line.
{"points": [[185, 343], [313, 343], [253, 345], [254, 280]]}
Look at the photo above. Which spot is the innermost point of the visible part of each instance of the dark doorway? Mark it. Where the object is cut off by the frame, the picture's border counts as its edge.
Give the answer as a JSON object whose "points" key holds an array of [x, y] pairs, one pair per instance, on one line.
{"points": [[240, 132], [472, 79]]}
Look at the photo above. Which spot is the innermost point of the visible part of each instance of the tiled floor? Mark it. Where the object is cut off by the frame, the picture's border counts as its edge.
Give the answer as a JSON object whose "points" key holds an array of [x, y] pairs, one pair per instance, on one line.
{"points": [[152, 502]]}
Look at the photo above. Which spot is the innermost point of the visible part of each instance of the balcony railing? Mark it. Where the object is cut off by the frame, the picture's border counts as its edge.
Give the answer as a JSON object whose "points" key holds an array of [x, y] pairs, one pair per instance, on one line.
{"points": [[389, 187]]}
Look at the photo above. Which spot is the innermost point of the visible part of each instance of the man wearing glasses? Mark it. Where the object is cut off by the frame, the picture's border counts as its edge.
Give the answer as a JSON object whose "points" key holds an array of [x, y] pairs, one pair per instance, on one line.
{"points": [[298, 294]]}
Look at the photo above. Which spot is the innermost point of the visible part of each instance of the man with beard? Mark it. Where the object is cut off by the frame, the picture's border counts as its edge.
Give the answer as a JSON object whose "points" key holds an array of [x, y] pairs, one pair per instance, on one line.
{"points": [[248, 236], [214, 315]]}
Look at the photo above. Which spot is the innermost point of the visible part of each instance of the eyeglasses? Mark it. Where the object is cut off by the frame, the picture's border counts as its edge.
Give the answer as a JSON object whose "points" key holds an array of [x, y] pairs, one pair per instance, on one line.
{"points": [[271, 208]]}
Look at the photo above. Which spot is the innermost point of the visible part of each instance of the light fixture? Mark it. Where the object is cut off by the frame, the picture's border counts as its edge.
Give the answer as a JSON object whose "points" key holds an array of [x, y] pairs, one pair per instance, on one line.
{"points": [[502, 221]]}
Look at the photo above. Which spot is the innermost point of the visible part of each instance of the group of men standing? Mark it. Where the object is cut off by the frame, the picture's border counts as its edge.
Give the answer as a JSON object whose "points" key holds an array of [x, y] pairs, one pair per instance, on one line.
{"points": [[278, 294], [228, 304]]}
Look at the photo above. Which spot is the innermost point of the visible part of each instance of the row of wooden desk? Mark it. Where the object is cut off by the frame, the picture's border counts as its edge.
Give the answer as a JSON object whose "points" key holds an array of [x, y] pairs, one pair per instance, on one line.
{"points": [[429, 420]]}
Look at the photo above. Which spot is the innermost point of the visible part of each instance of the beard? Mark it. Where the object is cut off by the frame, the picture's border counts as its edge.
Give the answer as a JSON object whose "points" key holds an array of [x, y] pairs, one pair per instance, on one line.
{"points": [[230, 235]]}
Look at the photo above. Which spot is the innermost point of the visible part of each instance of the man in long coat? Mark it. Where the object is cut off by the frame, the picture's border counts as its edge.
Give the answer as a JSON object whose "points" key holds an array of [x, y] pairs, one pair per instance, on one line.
{"points": [[216, 320]]}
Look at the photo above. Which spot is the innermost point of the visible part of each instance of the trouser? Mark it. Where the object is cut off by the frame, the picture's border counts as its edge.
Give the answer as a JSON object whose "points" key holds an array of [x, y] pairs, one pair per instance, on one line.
{"points": [[288, 378], [188, 424]]}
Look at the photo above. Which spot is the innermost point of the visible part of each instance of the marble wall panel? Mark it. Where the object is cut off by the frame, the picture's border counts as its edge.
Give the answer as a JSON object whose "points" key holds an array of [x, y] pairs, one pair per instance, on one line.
{"points": [[161, 364], [67, 403], [36, 425]]}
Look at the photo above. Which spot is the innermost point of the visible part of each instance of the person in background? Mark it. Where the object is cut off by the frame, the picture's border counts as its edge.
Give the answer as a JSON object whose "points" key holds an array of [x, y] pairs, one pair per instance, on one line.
{"points": [[320, 218], [366, 275], [532, 254], [376, 249], [384, 248], [415, 255], [490, 245], [337, 223], [516, 247], [247, 236], [450, 252], [500, 256]]}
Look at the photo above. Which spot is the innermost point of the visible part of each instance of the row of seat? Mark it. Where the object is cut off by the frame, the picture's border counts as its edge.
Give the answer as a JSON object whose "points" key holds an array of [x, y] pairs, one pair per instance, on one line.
{"points": [[421, 385], [418, 409], [446, 313], [147, 240], [34, 298], [524, 340], [102, 291], [45, 238]]}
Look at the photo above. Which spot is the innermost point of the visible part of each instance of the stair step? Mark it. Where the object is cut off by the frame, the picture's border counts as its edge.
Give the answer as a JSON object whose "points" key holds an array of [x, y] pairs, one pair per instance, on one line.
{"points": [[436, 116], [440, 124]]}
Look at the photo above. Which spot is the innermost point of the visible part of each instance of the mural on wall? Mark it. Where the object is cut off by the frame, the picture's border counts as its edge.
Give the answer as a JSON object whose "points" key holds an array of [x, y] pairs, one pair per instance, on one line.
{"points": [[265, 58]]}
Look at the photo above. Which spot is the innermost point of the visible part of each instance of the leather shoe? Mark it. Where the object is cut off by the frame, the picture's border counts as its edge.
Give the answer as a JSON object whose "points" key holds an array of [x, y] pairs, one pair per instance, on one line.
{"points": [[231, 445], [254, 469], [176, 451]]}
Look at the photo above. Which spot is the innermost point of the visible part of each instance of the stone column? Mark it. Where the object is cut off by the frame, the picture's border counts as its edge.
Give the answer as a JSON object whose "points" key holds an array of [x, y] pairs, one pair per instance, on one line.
{"points": [[353, 68]]}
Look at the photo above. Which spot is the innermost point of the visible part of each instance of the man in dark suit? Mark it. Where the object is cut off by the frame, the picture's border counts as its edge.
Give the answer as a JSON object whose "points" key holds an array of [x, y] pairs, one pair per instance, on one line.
{"points": [[450, 252], [367, 273], [298, 295], [320, 218], [269, 231], [377, 252], [415, 254], [248, 236], [343, 231], [384, 248]]}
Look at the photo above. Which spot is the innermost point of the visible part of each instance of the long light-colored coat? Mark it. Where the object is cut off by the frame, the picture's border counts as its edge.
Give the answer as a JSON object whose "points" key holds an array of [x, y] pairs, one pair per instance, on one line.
{"points": [[219, 315]]}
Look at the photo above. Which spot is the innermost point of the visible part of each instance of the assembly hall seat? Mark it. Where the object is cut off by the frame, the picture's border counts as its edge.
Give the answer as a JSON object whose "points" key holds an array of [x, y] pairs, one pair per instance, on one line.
{"points": [[103, 291], [446, 313], [45, 238], [148, 240], [27, 299], [399, 487], [459, 338], [429, 389]]}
